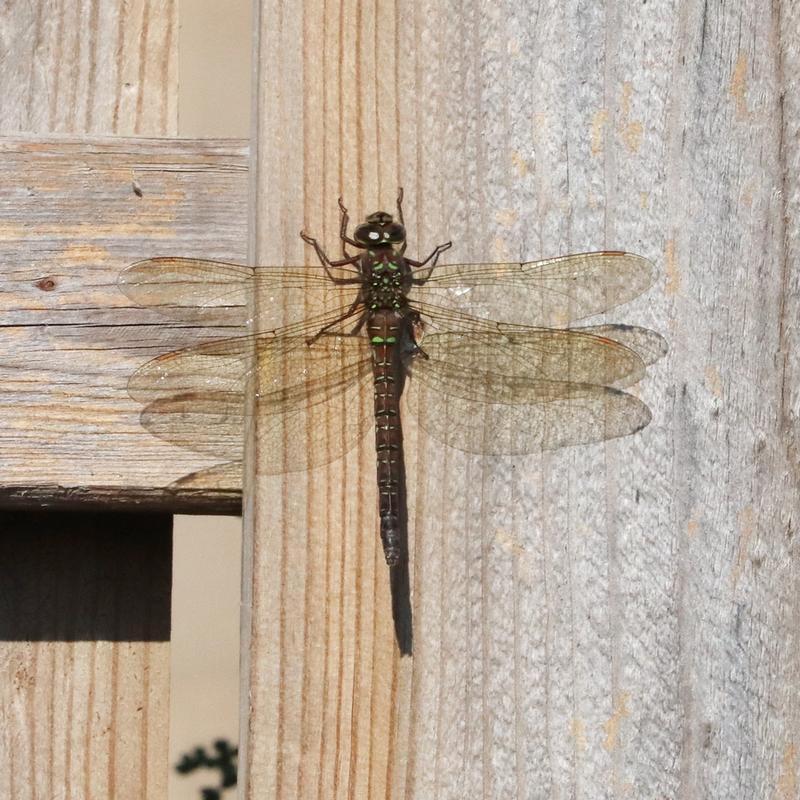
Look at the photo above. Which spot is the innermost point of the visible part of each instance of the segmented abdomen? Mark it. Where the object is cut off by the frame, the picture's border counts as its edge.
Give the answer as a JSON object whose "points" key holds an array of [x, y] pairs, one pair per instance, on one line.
{"points": [[383, 328]]}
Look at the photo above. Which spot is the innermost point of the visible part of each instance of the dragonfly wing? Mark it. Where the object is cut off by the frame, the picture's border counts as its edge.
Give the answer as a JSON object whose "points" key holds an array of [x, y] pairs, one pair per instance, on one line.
{"points": [[221, 293], [509, 389], [649, 345], [526, 416], [314, 400], [552, 292], [231, 474], [497, 351], [314, 403], [225, 365]]}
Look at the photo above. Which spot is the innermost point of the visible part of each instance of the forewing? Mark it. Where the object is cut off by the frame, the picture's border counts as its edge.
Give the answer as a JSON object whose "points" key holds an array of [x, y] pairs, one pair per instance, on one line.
{"points": [[551, 293], [221, 293]]}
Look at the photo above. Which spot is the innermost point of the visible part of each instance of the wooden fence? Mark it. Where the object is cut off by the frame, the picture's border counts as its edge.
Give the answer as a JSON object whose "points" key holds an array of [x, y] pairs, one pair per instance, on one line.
{"points": [[612, 621]]}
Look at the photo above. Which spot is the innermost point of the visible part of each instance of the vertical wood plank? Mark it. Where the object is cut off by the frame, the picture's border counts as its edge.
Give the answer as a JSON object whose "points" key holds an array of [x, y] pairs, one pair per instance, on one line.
{"points": [[95, 67], [86, 717], [85, 624], [608, 621], [322, 677]]}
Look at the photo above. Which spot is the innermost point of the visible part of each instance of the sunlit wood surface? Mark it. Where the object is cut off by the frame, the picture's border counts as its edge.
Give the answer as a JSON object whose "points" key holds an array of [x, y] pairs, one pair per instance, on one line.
{"points": [[609, 621], [95, 68]]}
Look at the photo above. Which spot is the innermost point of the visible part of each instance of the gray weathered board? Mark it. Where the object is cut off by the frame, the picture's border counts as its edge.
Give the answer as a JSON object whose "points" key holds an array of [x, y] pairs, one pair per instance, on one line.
{"points": [[610, 621], [73, 215]]}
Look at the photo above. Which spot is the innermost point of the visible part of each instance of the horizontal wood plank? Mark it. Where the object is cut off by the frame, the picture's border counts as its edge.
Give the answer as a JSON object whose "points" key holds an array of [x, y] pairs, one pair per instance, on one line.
{"points": [[73, 215]]}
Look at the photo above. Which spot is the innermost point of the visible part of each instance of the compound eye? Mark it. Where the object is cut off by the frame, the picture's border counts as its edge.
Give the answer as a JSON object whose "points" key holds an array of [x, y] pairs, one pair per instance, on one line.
{"points": [[367, 234], [395, 232]]}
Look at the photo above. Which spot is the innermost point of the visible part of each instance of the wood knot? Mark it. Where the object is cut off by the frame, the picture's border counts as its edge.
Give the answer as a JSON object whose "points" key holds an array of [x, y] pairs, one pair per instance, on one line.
{"points": [[46, 284]]}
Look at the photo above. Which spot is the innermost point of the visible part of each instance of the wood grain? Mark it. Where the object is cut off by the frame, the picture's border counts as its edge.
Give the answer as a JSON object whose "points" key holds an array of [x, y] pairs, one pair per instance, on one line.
{"points": [[86, 597], [97, 68], [70, 221], [607, 621]]}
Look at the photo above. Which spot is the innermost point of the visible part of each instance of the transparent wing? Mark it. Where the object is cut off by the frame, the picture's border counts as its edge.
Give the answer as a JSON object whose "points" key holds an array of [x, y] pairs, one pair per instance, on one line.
{"points": [[542, 354], [231, 474], [507, 389], [226, 364], [493, 387], [551, 292], [649, 345], [218, 292], [314, 401], [525, 416]]}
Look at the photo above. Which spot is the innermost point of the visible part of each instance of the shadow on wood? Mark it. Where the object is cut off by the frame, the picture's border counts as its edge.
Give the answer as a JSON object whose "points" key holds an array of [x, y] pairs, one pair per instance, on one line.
{"points": [[67, 581]]}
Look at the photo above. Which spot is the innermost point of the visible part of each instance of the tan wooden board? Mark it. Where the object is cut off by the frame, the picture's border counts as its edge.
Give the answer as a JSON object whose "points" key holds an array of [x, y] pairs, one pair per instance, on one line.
{"points": [[73, 214], [608, 621], [95, 68]]}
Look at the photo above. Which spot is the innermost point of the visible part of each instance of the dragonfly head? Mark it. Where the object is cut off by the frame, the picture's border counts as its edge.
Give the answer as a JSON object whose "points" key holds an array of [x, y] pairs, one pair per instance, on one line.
{"points": [[380, 230]]}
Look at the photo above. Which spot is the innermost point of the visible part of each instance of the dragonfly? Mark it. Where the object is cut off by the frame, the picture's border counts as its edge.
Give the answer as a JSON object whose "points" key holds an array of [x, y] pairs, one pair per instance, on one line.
{"points": [[359, 338]]}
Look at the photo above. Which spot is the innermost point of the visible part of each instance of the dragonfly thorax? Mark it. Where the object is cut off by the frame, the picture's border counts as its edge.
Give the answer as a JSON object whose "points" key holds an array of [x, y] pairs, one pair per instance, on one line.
{"points": [[385, 278]]}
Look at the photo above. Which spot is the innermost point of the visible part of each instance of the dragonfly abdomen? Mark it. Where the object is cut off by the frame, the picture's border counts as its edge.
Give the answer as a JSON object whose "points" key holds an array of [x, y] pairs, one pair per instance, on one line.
{"points": [[383, 328]]}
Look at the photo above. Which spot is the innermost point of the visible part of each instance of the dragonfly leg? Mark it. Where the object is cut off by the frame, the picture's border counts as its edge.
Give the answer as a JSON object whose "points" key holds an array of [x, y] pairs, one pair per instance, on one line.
{"points": [[343, 231], [400, 216], [419, 265], [414, 351], [327, 263], [400, 205], [347, 314]]}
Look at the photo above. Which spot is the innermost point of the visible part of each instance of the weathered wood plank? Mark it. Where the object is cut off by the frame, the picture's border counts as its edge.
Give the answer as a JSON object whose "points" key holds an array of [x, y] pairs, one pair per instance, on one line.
{"points": [[608, 621], [73, 214], [85, 623], [98, 68], [325, 697], [89, 718]]}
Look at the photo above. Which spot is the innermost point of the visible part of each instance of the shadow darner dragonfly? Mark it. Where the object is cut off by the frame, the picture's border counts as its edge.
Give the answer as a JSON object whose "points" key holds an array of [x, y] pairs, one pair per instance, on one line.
{"points": [[359, 332]]}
